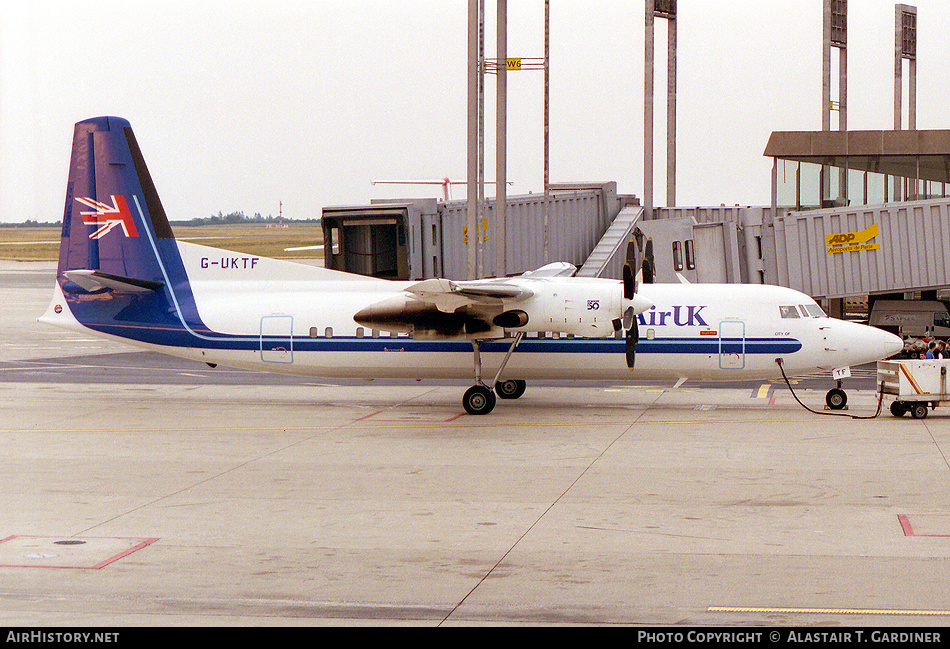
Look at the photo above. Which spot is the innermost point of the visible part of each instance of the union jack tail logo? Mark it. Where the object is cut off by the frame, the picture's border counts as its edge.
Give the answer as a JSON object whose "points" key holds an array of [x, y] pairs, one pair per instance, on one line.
{"points": [[108, 216]]}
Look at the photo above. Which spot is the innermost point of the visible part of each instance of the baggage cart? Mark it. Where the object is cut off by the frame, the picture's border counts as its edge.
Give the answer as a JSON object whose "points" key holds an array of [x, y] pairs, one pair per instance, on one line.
{"points": [[917, 385]]}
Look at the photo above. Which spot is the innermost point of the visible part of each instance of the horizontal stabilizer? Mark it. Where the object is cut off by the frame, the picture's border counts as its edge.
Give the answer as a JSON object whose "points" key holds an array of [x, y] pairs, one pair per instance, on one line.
{"points": [[95, 280]]}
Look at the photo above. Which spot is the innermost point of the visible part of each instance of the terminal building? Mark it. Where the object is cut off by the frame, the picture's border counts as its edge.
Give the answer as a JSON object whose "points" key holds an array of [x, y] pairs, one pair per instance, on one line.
{"points": [[857, 215]]}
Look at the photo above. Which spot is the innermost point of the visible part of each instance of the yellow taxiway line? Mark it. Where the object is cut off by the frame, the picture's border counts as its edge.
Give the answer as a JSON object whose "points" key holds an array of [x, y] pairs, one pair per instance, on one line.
{"points": [[837, 611]]}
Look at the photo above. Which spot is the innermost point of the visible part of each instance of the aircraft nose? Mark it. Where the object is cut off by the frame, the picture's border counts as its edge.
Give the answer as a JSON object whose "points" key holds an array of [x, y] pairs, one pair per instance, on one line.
{"points": [[858, 343], [890, 344], [882, 344]]}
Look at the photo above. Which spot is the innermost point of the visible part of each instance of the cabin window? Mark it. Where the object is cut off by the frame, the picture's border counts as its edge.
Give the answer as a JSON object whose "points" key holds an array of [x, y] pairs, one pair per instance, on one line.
{"points": [[328, 333], [359, 332], [651, 334], [313, 332], [788, 311]]}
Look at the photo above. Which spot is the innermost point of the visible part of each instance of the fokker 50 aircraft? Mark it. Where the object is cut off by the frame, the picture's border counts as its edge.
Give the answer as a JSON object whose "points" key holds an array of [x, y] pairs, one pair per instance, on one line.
{"points": [[123, 276]]}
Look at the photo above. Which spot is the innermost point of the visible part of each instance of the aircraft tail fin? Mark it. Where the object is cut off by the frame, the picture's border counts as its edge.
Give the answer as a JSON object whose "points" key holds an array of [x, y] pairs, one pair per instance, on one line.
{"points": [[113, 214], [120, 270]]}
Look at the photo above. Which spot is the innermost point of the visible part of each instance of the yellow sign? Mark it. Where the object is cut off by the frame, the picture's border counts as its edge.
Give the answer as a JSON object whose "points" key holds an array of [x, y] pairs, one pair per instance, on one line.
{"points": [[482, 232], [513, 64], [853, 241]]}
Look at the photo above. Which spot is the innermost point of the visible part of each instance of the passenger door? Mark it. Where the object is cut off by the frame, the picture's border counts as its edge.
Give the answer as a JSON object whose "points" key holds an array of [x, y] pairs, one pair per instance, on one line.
{"points": [[731, 345]]}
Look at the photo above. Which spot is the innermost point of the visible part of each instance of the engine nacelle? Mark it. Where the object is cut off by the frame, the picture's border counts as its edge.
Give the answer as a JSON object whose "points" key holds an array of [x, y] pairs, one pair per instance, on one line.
{"points": [[575, 306], [423, 320], [513, 319]]}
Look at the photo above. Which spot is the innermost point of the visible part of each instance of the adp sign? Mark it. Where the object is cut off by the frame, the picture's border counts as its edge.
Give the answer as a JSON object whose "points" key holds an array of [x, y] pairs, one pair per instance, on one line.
{"points": [[853, 241]]}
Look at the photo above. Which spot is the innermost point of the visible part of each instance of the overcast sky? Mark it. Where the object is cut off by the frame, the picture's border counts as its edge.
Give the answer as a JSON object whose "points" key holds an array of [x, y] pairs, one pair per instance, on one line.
{"points": [[241, 105]]}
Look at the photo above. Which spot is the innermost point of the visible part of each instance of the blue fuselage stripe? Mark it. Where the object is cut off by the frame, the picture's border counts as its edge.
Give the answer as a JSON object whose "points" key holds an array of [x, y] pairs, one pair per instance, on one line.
{"points": [[176, 337]]}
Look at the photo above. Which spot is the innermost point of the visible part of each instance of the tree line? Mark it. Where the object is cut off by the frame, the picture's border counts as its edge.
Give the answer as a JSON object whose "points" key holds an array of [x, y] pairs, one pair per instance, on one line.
{"points": [[241, 217]]}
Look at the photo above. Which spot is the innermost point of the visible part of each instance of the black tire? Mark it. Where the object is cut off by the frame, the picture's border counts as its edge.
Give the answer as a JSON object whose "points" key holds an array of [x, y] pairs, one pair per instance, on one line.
{"points": [[836, 399], [919, 410], [478, 400], [510, 389], [898, 409]]}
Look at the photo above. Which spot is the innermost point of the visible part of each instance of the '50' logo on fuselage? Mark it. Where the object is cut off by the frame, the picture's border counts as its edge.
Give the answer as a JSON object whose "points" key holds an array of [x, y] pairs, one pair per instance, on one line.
{"points": [[108, 216]]}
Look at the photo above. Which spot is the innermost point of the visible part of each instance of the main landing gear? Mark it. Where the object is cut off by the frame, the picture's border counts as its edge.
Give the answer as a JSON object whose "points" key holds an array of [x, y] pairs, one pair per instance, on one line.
{"points": [[480, 399]]}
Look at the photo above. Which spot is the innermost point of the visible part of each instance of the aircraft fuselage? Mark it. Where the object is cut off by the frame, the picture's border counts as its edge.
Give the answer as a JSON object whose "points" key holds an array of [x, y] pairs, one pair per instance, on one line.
{"points": [[278, 316]]}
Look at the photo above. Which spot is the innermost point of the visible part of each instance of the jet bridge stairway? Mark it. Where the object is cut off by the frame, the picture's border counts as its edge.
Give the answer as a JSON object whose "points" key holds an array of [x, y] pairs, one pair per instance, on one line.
{"points": [[612, 244]]}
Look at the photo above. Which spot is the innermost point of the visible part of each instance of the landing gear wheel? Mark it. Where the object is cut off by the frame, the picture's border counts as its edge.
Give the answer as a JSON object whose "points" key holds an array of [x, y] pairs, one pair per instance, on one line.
{"points": [[510, 389], [918, 410], [478, 400], [898, 409], [836, 399]]}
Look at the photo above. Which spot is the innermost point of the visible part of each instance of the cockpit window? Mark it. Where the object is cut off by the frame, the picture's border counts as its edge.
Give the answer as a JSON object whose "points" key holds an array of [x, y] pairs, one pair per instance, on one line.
{"points": [[815, 311], [788, 311]]}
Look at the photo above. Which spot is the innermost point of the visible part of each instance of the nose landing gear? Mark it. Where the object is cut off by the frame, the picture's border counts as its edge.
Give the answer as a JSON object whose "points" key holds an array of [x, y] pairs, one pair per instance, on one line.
{"points": [[836, 399]]}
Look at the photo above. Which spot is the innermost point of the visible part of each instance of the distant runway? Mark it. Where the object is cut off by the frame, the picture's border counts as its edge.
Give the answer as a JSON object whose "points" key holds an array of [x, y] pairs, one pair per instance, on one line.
{"points": [[143, 490]]}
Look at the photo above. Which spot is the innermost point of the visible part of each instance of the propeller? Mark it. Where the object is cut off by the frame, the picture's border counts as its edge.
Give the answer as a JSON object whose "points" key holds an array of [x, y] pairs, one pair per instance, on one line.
{"points": [[632, 304], [647, 266]]}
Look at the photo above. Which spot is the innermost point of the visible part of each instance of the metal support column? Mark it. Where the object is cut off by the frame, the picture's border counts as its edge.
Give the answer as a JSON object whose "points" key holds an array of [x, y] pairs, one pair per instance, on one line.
{"points": [[472, 141], [648, 112], [501, 140]]}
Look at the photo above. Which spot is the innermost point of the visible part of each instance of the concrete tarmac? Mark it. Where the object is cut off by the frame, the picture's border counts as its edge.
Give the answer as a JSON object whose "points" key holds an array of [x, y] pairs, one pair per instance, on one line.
{"points": [[140, 491]]}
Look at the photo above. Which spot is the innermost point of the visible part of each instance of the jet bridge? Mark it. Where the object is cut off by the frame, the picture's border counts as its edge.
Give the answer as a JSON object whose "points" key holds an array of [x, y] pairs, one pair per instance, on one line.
{"points": [[889, 248], [858, 212], [425, 238], [853, 214]]}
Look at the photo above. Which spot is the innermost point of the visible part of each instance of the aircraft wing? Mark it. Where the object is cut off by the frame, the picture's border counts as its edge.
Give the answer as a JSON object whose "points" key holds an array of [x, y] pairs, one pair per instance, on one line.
{"points": [[449, 296], [443, 308]]}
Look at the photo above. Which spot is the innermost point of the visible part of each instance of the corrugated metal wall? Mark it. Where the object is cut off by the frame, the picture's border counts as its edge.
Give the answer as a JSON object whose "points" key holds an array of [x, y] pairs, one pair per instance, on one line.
{"points": [[909, 252], [577, 221], [906, 252]]}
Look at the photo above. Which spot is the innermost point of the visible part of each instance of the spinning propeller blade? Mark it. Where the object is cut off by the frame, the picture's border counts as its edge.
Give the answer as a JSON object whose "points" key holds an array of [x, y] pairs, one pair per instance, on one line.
{"points": [[648, 267], [629, 321], [632, 338]]}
